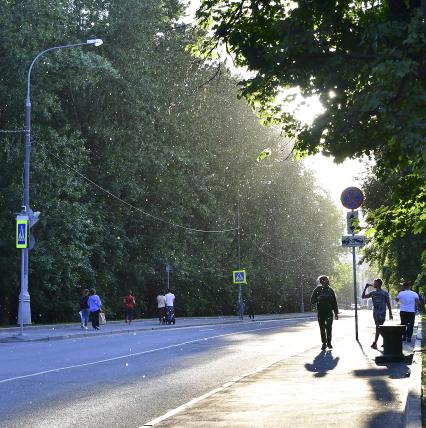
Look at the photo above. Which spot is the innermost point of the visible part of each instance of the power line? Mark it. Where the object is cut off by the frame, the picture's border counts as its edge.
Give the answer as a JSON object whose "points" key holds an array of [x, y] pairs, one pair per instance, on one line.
{"points": [[6, 131], [132, 206]]}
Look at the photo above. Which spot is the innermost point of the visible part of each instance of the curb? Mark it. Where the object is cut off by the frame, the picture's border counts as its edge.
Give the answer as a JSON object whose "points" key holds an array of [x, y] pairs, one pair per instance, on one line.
{"points": [[413, 406], [20, 339]]}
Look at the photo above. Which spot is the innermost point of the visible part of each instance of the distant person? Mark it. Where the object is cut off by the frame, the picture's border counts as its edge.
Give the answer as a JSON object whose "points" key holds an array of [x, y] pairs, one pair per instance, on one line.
{"points": [[325, 299], [84, 309], [129, 306], [95, 305], [170, 301], [250, 307], [408, 303], [380, 300], [161, 307]]}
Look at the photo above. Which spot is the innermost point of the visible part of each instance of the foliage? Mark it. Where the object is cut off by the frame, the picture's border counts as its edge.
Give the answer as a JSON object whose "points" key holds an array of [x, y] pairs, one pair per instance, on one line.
{"points": [[134, 156], [401, 255], [342, 283], [364, 60]]}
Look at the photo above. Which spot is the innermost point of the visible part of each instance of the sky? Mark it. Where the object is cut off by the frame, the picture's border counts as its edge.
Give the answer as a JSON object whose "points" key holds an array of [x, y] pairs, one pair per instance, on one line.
{"points": [[334, 178]]}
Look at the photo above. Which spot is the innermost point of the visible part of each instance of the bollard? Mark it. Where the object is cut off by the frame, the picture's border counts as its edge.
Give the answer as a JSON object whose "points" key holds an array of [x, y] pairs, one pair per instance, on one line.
{"points": [[392, 344]]}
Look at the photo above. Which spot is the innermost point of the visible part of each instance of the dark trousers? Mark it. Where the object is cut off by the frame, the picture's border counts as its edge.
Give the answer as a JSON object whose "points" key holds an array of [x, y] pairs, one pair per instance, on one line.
{"points": [[162, 314], [407, 318], [129, 314], [325, 324], [94, 317]]}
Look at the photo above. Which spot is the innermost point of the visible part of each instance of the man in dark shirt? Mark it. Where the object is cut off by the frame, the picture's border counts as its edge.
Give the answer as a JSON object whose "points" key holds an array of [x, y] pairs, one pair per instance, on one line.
{"points": [[325, 299]]}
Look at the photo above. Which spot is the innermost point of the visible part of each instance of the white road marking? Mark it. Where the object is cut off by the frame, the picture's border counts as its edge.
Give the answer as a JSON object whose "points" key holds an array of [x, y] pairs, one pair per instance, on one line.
{"points": [[135, 354]]}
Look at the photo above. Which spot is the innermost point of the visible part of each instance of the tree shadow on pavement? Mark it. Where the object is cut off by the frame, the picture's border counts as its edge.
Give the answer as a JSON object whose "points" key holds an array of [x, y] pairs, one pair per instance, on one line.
{"points": [[323, 363], [388, 419], [378, 378]]}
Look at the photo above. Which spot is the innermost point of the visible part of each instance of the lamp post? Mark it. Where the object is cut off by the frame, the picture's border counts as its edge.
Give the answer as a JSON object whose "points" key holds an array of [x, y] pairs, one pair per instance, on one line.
{"points": [[24, 312]]}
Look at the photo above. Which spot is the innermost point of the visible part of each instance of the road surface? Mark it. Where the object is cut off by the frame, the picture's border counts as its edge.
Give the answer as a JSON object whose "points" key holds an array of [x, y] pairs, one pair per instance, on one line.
{"points": [[127, 380]]}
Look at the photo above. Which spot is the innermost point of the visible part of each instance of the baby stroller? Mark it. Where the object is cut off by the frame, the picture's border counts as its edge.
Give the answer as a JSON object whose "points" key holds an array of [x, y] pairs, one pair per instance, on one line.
{"points": [[170, 315]]}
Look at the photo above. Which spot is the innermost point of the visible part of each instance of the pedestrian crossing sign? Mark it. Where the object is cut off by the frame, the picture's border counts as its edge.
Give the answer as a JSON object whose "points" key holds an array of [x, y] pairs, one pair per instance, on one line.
{"points": [[21, 232], [239, 277]]}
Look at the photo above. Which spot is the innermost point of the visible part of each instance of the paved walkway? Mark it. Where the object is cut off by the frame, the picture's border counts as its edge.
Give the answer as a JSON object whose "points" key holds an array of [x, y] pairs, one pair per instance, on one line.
{"points": [[342, 387]]}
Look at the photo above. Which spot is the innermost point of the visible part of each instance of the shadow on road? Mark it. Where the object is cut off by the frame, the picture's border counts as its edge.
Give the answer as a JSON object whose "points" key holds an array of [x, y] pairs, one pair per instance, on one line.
{"points": [[323, 363]]}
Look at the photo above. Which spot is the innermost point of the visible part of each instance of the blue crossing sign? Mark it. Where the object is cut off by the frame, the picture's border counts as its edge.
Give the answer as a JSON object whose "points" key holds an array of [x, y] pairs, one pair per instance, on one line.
{"points": [[239, 277], [22, 231]]}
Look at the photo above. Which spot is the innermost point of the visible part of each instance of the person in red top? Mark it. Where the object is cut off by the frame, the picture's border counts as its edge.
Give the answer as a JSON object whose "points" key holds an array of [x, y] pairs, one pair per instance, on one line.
{"points": [[129, 305]]}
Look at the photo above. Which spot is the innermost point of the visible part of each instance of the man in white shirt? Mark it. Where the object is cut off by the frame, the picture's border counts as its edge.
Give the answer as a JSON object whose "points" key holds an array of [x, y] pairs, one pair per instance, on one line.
{"points": [[170, 300], [408, 302]]}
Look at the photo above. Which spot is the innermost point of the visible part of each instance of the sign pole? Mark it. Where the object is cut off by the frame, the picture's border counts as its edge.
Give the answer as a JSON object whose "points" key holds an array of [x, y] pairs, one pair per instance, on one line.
{"points": [[352, 198], [240, 293], [169, 269], [355, 293]]}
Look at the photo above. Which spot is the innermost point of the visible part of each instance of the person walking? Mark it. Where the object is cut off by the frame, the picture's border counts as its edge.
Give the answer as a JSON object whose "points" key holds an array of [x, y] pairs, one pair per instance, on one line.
{"points": [[325, 299], [170, 301], [95, 305], [408, 302], [129, 305], [161, 307], [380, 300], [84, 309], [250, 307]]}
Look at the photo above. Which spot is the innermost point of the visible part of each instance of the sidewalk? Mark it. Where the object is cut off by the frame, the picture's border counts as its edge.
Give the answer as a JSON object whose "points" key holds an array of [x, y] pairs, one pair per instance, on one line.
{"points": [[342, 387], [68, 331]]}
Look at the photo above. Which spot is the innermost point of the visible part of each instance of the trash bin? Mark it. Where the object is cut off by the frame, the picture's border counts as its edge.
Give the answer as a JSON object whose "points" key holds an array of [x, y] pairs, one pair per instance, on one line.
{"points": [[392, 344]]}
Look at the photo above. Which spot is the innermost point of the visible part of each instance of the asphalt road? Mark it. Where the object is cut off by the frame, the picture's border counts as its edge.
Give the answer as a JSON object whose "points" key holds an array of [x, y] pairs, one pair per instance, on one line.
{"points": [[127, 380]]}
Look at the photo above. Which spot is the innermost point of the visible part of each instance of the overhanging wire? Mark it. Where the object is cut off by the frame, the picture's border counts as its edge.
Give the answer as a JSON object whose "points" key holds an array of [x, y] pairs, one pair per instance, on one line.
{"points": [[132, 206]]}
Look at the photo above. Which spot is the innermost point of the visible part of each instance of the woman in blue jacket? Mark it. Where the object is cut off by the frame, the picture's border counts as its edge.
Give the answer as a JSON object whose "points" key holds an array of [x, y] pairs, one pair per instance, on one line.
{"points": [[95, 305]]}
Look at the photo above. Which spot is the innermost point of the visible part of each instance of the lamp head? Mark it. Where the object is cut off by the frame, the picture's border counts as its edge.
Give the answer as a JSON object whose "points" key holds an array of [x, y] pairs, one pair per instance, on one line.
{"points": [[96, 42]]}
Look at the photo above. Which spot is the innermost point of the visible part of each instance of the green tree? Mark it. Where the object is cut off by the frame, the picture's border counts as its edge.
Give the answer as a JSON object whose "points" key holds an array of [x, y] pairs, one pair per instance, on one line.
{"points": [[135, 157], [365, 62]]}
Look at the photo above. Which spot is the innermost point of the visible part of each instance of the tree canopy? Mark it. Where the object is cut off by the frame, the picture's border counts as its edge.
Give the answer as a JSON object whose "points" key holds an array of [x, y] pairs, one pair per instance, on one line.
{"points": [[365, 60], [137, 162]]}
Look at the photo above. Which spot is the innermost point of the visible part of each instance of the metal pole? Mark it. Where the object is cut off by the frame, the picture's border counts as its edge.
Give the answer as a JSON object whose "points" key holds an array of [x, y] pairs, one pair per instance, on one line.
{"points": [[240, 291], [168, 280], [355, 291], [302, 303], [24, 310], [20, 317]]}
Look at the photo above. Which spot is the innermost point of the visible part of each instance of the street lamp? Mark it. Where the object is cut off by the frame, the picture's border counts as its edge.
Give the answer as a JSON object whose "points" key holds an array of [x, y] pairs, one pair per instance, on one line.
{"points": [[24, 312]]}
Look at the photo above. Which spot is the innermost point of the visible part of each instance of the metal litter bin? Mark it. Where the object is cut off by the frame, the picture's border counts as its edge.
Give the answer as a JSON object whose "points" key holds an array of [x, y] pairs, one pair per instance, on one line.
{"points": [[392, 344]]}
